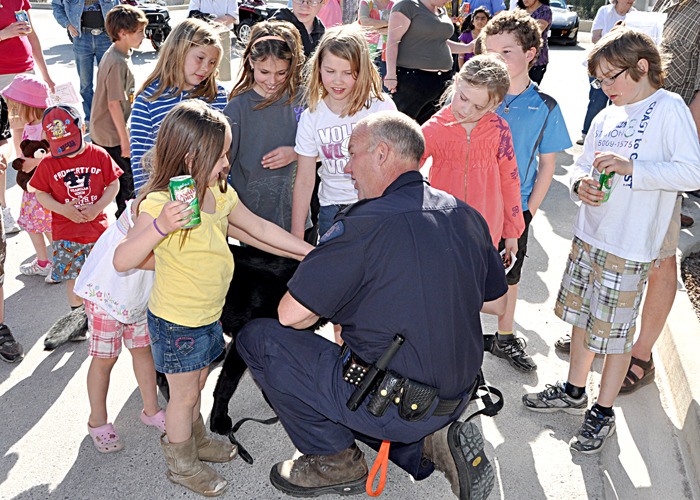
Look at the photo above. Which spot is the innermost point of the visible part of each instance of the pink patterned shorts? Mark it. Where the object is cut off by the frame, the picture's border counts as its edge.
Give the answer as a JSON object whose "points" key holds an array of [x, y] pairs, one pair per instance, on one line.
{"points": [[33, 217], [106, 333]]}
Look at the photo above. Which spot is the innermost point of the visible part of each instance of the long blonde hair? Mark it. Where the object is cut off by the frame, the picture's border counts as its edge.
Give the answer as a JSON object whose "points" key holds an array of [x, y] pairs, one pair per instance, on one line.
{"points": [[170, 68], [265, 43], [347, 42], [190, 141]]}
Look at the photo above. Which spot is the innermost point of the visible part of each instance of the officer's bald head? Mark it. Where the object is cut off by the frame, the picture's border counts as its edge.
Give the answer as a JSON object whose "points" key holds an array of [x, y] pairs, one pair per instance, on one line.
{"points": [[401, 134]]}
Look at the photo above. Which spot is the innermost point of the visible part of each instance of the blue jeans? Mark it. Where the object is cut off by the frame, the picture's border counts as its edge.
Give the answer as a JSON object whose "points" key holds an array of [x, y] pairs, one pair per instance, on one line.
{"points": [[597, 101], [88, 50], [326, 214]]}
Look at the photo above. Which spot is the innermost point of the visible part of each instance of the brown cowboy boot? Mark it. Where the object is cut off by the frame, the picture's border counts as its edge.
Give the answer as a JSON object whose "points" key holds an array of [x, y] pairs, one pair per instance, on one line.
{"points": [[343, 473], [458, 451], [211, 450], [186, 469]]}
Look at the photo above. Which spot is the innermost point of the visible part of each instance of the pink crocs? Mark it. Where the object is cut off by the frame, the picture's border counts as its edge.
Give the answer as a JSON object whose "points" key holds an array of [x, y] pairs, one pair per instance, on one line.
{"points": [[157, 420], [105, 438]]}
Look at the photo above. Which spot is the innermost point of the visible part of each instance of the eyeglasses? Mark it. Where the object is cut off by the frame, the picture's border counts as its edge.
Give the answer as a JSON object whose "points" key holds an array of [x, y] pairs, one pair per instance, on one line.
{"points": [[599, 82], [310, 3]]}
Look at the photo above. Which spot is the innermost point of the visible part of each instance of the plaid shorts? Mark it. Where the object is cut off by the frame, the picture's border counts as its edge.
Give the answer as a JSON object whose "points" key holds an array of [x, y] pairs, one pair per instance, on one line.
{"points": [[106, 333], [601, 293], [68, 259]]}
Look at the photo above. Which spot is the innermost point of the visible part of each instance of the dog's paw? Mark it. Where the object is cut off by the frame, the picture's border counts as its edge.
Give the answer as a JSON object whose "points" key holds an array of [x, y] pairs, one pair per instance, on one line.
{"points": [[221, 424]]}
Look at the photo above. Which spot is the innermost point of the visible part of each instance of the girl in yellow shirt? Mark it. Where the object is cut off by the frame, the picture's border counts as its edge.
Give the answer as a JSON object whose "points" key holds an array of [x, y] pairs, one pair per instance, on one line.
{"points": [[194, 268]]}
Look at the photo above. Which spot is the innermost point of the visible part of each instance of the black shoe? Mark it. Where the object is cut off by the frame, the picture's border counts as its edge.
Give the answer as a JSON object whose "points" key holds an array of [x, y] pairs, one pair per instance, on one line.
{"points": [[458, 452], [10, 350], [513, 350], [695, 193], [344, 473]]}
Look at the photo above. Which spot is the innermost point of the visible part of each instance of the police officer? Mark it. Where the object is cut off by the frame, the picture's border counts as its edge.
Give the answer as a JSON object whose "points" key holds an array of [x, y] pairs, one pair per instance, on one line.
{"points": [[409, 260]]}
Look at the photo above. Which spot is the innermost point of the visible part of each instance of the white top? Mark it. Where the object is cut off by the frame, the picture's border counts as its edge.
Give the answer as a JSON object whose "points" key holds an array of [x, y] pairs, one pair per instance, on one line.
{"points": [[659, 135], [606, 17], [216, 7], [124, 296], [326, 135]]}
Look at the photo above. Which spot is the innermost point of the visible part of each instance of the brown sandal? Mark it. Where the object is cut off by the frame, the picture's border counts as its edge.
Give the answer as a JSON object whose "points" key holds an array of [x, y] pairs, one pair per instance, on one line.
{"points": [[633, 382]]}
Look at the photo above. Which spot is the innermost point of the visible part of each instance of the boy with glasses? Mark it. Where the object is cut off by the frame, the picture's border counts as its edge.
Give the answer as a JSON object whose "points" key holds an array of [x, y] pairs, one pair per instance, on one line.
{"points": [[648, 140]]}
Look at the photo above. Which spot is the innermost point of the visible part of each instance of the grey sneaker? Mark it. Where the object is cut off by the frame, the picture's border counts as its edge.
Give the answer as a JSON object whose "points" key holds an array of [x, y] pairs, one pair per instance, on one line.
{"points": [[11, 226], [595, 430], [10, 350], [513, 350], [582, 140], [554, 398]]}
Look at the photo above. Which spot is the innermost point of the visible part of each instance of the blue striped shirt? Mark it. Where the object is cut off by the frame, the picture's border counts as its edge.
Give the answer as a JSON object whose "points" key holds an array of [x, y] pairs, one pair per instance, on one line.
{"points": [[146, 118]]}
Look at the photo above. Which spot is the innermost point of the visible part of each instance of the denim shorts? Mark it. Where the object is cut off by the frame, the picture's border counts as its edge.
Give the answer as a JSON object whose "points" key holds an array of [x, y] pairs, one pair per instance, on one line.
{"points": [[178, 349]]}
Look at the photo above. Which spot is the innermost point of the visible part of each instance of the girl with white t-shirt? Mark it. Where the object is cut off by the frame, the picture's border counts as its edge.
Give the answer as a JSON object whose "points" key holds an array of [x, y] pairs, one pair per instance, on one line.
{"points": [[342, 86]]}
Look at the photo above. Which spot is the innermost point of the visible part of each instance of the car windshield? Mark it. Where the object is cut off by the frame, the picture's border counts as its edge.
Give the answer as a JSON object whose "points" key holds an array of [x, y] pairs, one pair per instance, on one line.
{"points": [[555, 3]]}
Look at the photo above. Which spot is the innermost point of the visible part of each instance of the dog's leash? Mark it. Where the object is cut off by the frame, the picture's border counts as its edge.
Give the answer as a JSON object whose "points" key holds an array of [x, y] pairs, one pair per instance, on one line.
{"points": [[242, 452]]}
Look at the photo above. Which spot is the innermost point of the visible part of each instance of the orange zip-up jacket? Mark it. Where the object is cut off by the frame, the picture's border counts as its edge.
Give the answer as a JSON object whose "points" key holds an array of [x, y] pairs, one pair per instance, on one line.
{"points": [[479, 169]]}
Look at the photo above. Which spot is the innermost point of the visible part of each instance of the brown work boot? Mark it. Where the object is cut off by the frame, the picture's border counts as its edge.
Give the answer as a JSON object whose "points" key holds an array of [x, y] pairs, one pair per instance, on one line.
{"points": [[211, 450], [343, 473], [186, 469], [458, 451]]}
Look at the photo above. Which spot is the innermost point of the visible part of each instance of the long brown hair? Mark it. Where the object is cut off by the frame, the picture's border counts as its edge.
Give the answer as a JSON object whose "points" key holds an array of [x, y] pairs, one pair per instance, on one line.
{"points": [[288, 49], [190, 141], [170, 68], [347, 42]]}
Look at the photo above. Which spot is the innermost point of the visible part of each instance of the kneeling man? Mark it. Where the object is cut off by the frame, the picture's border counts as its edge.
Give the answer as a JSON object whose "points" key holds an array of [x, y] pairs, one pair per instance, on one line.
{"points": [[406, 260]]}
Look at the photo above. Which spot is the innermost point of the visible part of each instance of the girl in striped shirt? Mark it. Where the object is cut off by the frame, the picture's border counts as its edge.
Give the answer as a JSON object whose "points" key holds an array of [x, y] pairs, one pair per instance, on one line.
{"points": [[185, 70]]}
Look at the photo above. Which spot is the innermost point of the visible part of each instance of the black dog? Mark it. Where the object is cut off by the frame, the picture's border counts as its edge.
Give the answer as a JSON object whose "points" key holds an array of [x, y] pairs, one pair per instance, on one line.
{"points": [[259, 282]]}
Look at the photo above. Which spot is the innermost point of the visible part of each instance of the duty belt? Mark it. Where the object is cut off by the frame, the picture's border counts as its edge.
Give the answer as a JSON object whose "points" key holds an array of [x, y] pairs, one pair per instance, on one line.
{"points": [[413, 399]]}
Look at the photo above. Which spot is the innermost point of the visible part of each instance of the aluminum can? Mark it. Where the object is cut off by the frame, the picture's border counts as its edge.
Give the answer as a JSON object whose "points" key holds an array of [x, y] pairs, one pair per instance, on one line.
{"points": [[21, 16], [606, 181], [182, 188]]}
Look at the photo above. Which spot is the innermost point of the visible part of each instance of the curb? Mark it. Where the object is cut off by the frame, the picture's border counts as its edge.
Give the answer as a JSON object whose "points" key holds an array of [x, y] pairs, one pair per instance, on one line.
{"points": [[676, 350], [676, 347]]}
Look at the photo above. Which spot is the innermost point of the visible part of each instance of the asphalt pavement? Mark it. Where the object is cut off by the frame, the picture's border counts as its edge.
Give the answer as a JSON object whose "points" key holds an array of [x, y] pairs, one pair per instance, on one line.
{"points": [[46, 451]]}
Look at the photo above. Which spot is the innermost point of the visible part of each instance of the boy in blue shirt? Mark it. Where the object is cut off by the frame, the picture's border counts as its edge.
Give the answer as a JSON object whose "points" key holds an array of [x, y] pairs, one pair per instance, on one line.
{"points": [[539, 133]]}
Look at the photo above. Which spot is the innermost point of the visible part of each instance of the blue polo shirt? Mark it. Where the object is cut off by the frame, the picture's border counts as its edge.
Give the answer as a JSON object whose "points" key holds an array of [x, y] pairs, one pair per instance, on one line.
{"points": [[415, 261], [537, 126]]}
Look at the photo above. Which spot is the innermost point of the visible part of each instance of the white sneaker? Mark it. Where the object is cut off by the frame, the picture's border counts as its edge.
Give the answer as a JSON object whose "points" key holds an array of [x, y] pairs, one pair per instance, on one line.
{"points": [[49, 279], [33, 269], [11, 226]]}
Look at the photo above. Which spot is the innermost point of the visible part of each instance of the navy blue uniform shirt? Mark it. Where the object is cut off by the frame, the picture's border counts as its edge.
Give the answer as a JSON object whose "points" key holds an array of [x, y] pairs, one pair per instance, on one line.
{"points": [[415, 261]]}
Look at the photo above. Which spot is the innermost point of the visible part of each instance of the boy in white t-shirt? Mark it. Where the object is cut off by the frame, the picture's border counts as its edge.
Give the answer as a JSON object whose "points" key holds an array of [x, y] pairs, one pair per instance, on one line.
{"points": [[649, 141]]}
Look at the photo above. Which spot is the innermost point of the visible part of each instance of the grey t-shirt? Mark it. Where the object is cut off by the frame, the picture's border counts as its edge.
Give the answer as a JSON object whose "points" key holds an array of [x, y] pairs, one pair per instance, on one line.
{"points": [[267, 193], [424, 45]]}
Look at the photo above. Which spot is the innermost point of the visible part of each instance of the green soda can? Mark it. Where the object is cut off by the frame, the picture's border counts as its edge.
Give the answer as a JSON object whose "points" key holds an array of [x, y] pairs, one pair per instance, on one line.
{"points": [[182, 188], [606, 184]]}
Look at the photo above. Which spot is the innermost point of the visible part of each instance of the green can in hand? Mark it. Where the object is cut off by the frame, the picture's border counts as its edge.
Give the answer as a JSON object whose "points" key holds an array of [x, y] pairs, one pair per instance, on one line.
{"points": [[605, 181], [182, 188]]}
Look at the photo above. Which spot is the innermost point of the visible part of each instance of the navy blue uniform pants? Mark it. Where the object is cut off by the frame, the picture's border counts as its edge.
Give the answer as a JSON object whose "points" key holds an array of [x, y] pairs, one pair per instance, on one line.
{"points": [[301, 374]]}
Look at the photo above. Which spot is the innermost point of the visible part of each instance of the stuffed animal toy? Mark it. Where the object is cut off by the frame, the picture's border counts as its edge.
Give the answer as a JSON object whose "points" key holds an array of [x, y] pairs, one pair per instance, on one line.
{"points": [[30, 149]]}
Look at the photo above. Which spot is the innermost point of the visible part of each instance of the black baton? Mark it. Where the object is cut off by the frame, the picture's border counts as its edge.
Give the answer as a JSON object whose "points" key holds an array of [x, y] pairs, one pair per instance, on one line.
{"points": [[373, 373]]}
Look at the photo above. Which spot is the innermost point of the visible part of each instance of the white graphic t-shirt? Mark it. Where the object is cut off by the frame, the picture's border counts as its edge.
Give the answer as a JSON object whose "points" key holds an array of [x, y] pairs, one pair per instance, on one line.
{"points": [[326, 135], [659, 135]]}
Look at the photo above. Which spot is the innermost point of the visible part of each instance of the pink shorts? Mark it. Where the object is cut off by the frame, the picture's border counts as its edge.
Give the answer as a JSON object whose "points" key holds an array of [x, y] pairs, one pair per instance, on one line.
{"points": [[106, 333]]}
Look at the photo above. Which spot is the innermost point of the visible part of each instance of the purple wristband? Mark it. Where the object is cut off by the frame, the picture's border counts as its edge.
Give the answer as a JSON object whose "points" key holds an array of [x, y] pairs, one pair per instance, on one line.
{"points": [[158, 229]]}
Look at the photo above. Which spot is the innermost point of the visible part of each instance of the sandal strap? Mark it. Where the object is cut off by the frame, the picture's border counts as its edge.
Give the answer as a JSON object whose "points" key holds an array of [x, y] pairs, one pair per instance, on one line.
{"points": [[644, 365]]}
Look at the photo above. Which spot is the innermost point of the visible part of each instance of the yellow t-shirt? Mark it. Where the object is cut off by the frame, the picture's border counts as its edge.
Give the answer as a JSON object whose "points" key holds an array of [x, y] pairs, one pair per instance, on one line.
{"points": [[191, 280]]}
